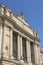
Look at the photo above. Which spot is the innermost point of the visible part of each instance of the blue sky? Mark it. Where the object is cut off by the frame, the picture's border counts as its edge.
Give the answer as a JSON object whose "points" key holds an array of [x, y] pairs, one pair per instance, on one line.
{"points": [[33, 12]]}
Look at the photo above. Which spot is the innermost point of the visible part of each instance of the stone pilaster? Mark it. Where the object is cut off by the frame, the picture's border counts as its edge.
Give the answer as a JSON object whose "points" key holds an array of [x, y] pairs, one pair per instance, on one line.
{"points": [[4, 52]]}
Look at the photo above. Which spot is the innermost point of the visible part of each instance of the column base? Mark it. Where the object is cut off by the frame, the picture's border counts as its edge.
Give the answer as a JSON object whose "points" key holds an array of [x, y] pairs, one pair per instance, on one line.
{"points": [[12, 57], [21, 62], [30, 64], [5, 57]]}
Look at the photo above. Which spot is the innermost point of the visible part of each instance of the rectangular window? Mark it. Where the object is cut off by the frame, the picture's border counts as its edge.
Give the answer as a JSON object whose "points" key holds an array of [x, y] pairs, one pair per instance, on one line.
{"points": [[42, 63], [24, 49], [14, 45], [42, 56]]}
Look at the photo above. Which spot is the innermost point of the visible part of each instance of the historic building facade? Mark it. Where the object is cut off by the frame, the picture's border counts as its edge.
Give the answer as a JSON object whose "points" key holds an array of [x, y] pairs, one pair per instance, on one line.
{"points": [[41, 53], [19, 43]]}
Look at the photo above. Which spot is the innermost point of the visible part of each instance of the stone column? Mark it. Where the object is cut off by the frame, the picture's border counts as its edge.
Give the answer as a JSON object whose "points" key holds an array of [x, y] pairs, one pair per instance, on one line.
{"points": [[28, 51], [11, 44], [21, 49], [0, 39], [18, 41], [21, 52], [35, 53], [39, 56]]}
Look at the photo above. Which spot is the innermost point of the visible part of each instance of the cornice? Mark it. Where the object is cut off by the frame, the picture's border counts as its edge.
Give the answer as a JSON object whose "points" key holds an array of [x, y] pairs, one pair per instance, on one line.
{"points": [[13, 21]]}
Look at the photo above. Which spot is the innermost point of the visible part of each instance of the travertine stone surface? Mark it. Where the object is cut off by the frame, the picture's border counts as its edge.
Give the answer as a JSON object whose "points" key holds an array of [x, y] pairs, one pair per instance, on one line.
{"points": [[11, 24], [41, 55], [6, 43]]}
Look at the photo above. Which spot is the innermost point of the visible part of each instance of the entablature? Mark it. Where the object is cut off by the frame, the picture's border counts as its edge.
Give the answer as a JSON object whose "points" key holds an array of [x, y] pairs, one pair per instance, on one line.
{"points": [[7, 13]]}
